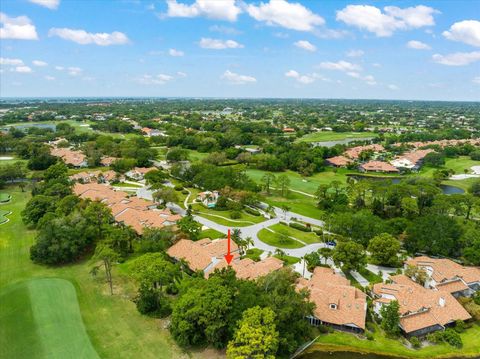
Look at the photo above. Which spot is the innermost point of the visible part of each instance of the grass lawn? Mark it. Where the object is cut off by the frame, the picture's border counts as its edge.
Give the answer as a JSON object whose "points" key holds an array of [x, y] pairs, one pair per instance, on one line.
{"points": [[274, 240], [254, 254], [288, 260], [212, 234], [381, 345], [123, 184], [41, 319], [334, 136], [223, 217], [115, 327], [3, 216], [370, 276], [196, 156], [12, 161], [4, 197], [307, 237]]}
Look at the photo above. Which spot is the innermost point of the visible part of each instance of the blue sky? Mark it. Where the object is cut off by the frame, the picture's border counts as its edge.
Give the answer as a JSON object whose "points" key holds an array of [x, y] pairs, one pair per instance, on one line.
{"points": [[228, 48]]}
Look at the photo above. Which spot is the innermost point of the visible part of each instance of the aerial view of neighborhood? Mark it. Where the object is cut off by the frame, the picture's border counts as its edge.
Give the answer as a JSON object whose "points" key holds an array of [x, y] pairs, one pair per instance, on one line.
{"points": [[239, 179]]}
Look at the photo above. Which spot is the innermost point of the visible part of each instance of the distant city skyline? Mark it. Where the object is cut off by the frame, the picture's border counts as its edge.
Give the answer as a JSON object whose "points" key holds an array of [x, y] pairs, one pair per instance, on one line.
{"points": [[405, 50]]}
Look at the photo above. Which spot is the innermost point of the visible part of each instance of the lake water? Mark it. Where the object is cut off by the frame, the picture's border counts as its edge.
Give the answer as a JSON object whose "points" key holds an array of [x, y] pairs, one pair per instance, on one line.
{"points": [[446, 189], [340, 142], [50, 126]]}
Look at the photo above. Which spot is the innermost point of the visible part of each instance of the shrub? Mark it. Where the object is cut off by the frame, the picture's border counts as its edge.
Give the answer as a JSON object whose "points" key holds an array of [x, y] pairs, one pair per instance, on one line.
{"points": [[184, 191], [459, 326], [415, 342], [178, 188], [448, 336], [152, 302], [369, 335], [323, 329], [318, 232], [252, 211], [300, 227], [235, 215]]}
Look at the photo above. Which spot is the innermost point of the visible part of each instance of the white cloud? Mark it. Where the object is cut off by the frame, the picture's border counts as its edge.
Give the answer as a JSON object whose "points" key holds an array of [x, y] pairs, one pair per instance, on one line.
{"points": [[21, 69], [39, 63], [304, 79], [84, 38], [393, 87], [369, 79], [355, 53], [476, 80], [292, 16], [457, 58], [49, 78], [467, 31], [305, 45], [216, 44], [344, 66], [20, 28], [238, 79], [10, 62], [417, 45], [59, 68], [74, 71], [212, 9], [181, 74], [159, 79], [224, 30], [383, 24], [175, 53], [50, 4]]}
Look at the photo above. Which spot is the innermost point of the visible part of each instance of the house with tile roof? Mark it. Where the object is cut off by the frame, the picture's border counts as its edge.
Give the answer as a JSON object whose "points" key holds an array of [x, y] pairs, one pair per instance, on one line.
{"points": [[70, 157], [422, 310], [411, 160], [338, 303], [447, 275], [204, 254], [246, 268], [131, 211], [339, 161], [378, 166], [138, 173], [354, 152]]}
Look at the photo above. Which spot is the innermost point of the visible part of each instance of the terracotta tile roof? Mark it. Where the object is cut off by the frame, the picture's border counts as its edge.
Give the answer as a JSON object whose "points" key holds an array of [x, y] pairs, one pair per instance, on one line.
{"points": [[354, 152], [249, 269], [70, 157], [328, 288], [452, 287], [107, 161], [201, 254], [339, 161], [420, 307], [446, 269], [133, 211], [378, 166]]}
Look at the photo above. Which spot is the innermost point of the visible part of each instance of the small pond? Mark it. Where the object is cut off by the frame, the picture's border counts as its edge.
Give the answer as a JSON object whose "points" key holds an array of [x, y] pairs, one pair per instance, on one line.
{"points": [[340, 142]]}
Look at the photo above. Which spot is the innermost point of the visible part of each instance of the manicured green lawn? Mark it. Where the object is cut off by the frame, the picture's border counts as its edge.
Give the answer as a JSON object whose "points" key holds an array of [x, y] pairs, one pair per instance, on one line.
{"points": [[41, 319], [382, 345], [4, 197], [254, 254], [212, 234], [223, 217], [307, 237], [196, 156], [287, 260], [114, 326], [123, 184], [275, 240], [370, 276], [334, 136], [3, 216]]}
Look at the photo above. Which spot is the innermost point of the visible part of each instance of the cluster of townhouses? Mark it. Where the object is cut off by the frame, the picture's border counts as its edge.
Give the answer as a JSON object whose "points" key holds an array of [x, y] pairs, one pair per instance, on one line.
{"points": [[411, 160], [129, 210], [338, 304]]}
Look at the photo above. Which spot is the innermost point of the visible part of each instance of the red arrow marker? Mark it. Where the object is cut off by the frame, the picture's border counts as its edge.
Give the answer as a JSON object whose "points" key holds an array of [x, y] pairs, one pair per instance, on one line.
{"points": [[228, 256]]}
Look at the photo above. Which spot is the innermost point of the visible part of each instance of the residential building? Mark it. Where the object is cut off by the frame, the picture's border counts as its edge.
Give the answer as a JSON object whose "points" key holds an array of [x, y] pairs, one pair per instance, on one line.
{"points": [[338, 304], [70, 157], [107, 161], [208, 198], [138, 173], [378, 166], [339, 161], [246, 268], [422, 310], [354, 152], [152, 132], [411, 160], [446, 275]]}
